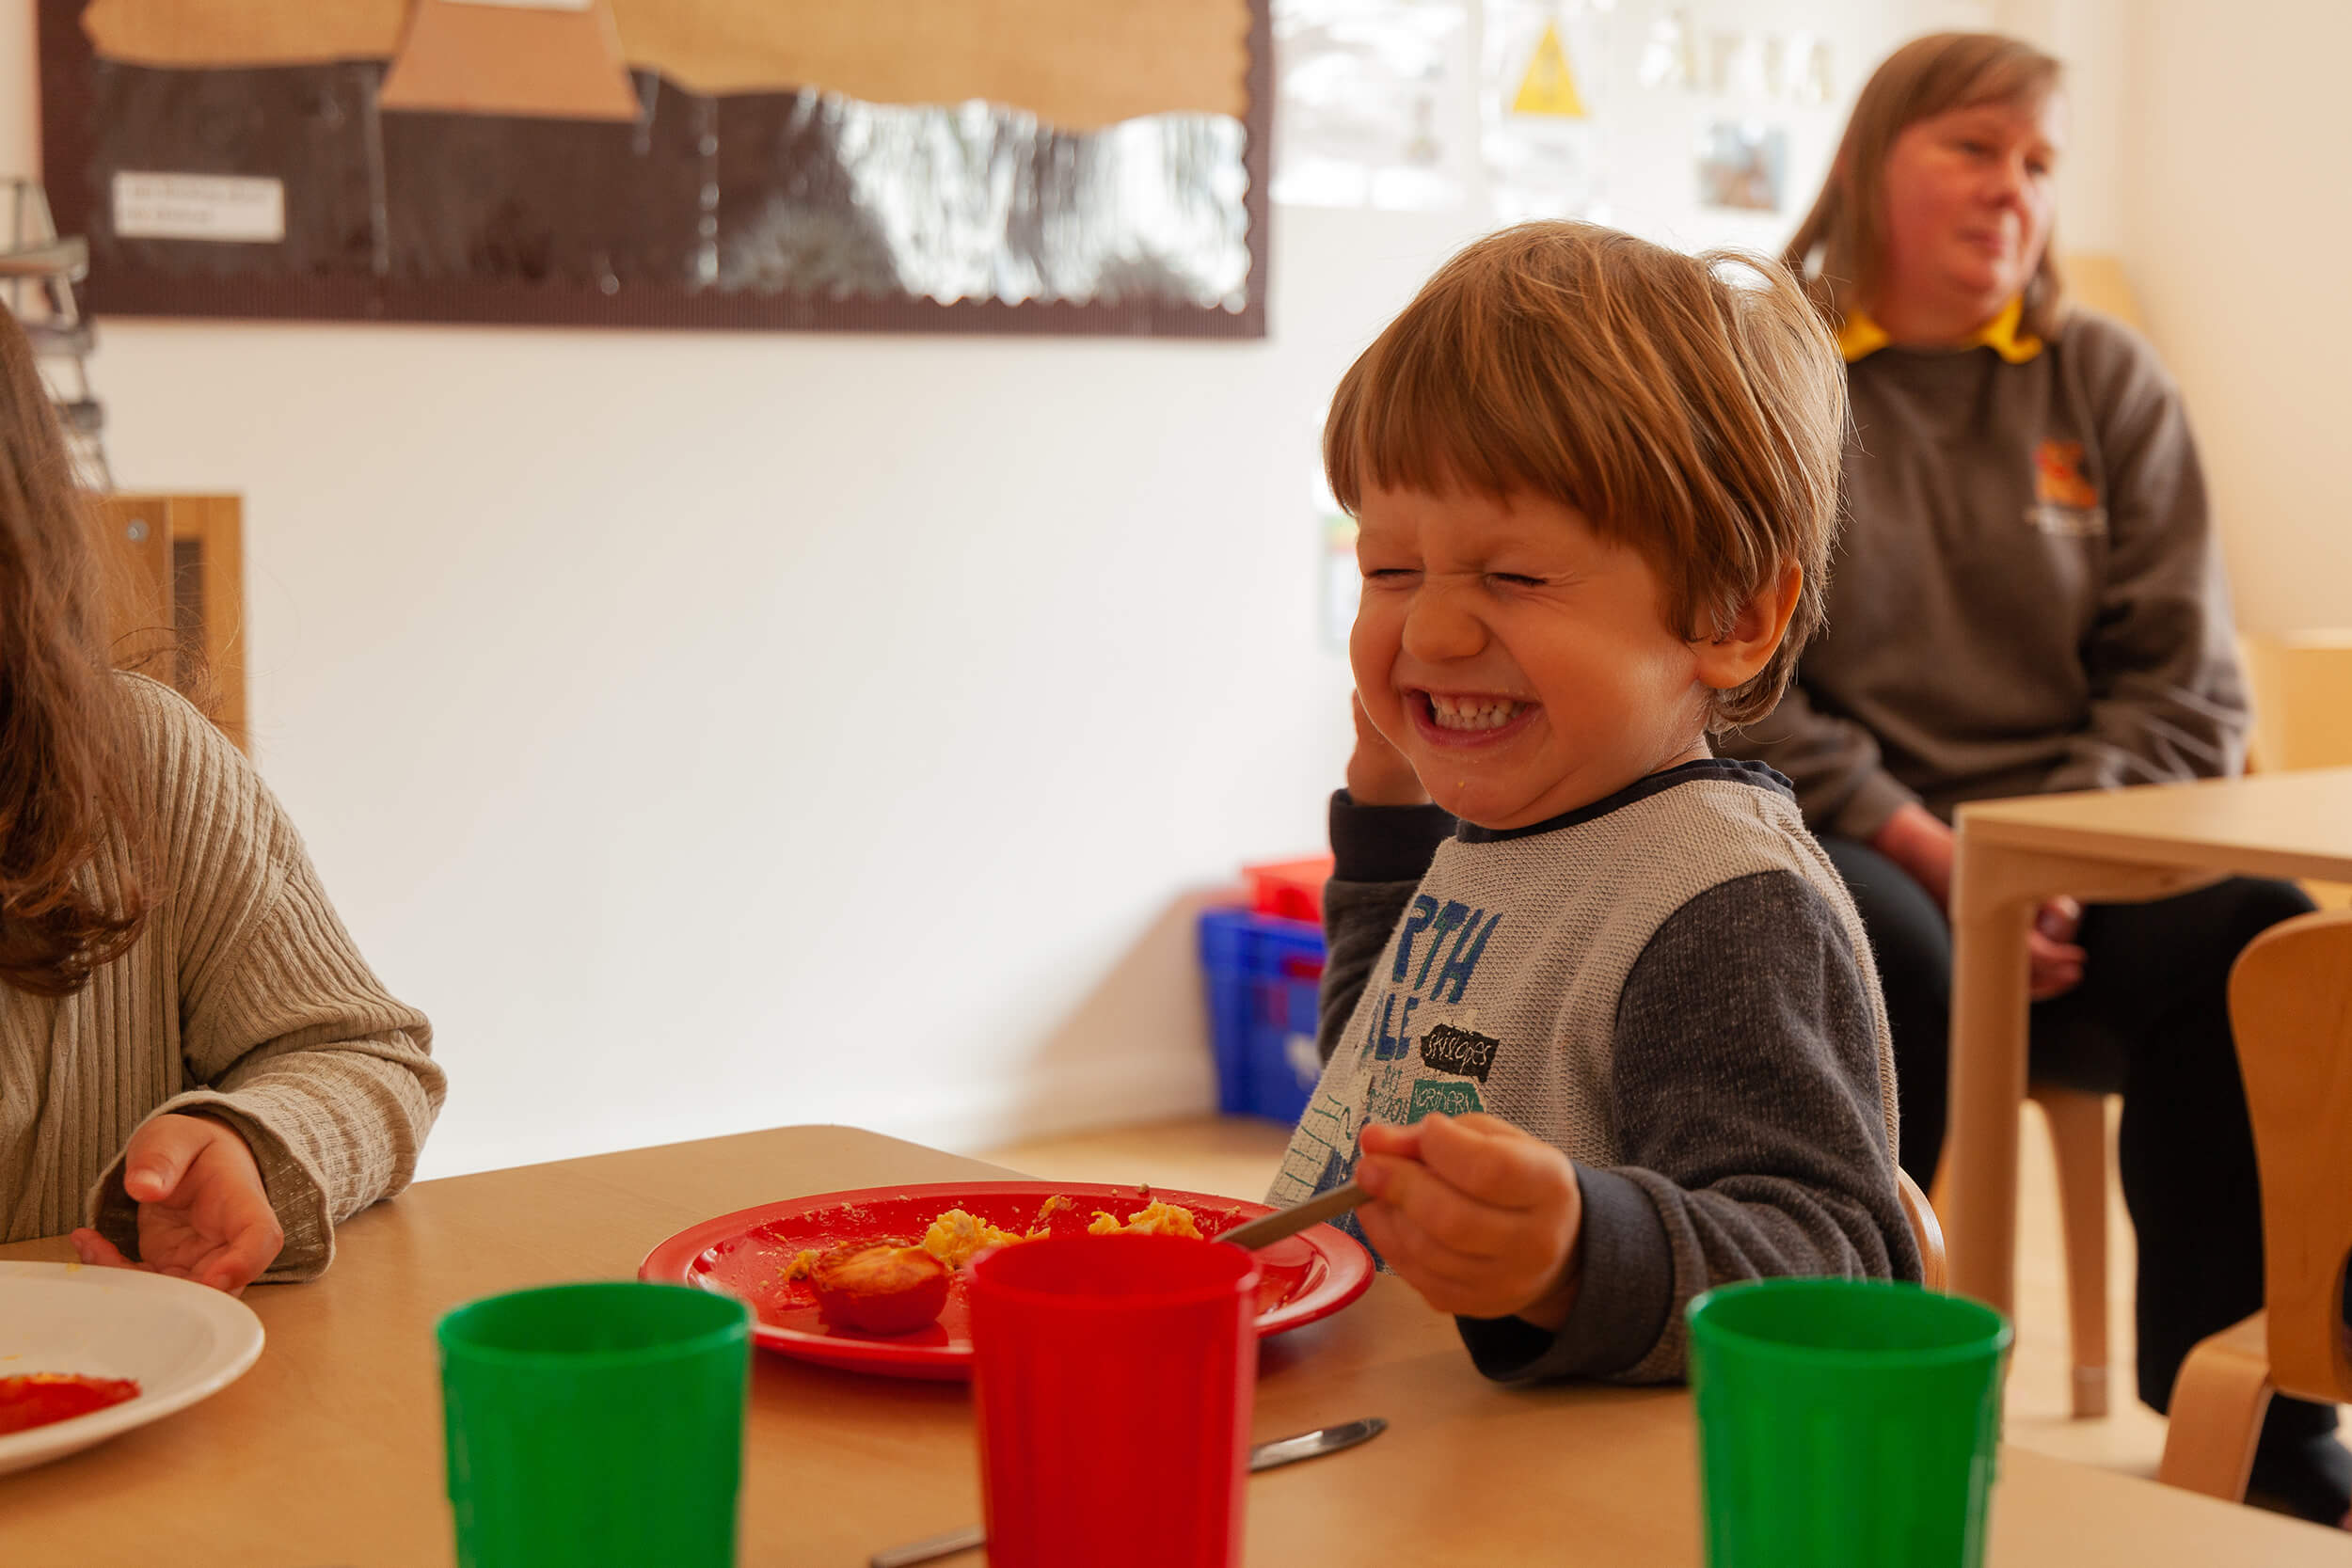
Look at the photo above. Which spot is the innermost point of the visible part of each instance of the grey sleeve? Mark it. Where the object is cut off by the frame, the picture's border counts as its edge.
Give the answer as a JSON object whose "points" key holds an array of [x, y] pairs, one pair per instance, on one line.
{"points": [[1842, 786], [1746, 1094], [2167, 699], [1378, 857]]}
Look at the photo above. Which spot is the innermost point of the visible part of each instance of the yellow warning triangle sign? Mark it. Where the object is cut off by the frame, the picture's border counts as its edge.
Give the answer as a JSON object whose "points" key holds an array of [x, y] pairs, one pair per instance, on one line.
{"points": [[1549, 88]]}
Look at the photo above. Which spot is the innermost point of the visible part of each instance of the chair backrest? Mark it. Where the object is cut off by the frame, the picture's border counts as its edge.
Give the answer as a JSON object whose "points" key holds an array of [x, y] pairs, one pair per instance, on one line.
{"points": [[2301, 686], [2291, 1009], [1924, 1227]]}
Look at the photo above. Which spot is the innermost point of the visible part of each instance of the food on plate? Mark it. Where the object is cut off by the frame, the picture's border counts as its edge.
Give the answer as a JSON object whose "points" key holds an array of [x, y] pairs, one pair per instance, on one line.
{"points": [[955, 1236], [1153, 1219], [892, 1286], [35, 1399]]}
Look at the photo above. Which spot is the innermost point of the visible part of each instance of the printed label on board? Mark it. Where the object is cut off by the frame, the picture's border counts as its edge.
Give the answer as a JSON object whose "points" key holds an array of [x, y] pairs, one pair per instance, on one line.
{"points": [[234, 208]]}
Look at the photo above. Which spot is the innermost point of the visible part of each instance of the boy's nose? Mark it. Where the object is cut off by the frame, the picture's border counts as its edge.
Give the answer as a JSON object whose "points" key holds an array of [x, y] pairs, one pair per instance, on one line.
{"points": [[1442, 626]]}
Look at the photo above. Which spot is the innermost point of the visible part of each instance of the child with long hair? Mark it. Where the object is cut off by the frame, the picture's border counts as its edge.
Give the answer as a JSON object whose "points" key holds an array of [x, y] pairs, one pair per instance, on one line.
{"points": [[195, 1062]]}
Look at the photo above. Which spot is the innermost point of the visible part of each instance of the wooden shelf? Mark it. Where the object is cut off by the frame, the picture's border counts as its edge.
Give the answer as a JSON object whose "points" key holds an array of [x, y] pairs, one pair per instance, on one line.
{"points": [[175, 566]]}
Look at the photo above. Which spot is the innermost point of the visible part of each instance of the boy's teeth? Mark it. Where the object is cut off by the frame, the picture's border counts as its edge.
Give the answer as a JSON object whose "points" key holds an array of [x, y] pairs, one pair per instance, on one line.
{"points": [[1472, 713]]}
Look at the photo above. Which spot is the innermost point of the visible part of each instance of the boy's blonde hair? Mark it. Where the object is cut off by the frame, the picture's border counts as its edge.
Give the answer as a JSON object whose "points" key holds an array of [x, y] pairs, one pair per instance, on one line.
{"points": [[1692, 408], [1841, 248]]}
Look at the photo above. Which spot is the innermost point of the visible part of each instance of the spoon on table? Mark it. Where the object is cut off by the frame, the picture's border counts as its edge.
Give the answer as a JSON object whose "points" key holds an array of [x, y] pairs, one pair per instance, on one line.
{"points": [[1298, 1216]]}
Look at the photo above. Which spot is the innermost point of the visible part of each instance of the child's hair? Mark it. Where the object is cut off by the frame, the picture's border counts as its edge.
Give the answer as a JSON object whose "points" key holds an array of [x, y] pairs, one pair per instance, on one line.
{"points": [[71, 894], [1841, 248], [1692, 408]]}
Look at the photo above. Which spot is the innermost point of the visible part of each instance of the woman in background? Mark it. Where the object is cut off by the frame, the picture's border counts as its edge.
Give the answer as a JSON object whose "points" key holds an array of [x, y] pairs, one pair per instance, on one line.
{"points": [[2029, 599], [194, 1059]]}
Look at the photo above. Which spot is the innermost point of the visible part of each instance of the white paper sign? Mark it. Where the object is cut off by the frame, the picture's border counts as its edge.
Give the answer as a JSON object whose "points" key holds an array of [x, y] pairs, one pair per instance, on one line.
{"points": [[234, 208]]}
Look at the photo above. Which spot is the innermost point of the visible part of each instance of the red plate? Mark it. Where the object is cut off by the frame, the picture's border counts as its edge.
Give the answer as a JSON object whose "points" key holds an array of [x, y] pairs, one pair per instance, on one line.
{"points": [[1303, 1277]]}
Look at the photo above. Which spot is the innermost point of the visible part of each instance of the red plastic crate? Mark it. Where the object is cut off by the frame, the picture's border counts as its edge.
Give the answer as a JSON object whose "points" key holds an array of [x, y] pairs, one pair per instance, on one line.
{"points": [[1292, 890]]}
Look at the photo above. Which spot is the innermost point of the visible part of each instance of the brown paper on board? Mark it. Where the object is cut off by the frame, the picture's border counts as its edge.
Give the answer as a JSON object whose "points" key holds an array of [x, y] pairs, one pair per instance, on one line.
{"points": [[464, 57], [174, 33], [1076, 64]]}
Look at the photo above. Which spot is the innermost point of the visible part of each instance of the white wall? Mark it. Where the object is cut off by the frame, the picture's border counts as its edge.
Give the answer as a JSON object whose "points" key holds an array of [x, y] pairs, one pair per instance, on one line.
{"points": [[713, 731], [2237, 226]]}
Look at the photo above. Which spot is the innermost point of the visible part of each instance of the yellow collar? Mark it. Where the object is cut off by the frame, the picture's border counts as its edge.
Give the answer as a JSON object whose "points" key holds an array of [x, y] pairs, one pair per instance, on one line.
{"points": [[1861, 335]]}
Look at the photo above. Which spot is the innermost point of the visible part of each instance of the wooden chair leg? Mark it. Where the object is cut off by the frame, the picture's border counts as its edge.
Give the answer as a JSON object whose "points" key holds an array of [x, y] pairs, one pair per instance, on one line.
{"points": [[2219, 1401], [2078, 1139]]}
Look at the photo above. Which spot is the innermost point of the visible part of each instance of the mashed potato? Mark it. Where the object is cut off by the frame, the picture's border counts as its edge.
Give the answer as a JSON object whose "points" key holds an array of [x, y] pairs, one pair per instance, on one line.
{"points": [[955, 1236], [1154, 1219]]}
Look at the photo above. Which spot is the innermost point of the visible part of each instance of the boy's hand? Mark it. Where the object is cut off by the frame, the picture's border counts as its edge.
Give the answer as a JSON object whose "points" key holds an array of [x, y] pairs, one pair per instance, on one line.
{"points": [[203, 1212], [1378, 773], [1480, 1217]]}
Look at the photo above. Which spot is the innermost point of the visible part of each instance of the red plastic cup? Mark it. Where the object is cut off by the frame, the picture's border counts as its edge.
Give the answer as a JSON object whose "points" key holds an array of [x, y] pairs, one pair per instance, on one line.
{"points": [[1114, 1376]]}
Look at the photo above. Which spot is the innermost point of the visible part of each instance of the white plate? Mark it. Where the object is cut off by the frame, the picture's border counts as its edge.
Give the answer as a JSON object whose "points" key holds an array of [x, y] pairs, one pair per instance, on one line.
{"points": [[181, 1343]]}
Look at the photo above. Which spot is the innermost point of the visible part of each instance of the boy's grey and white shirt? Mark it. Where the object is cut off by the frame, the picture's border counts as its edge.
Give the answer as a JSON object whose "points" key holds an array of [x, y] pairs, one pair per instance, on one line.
{"points": [[1669, 986]]}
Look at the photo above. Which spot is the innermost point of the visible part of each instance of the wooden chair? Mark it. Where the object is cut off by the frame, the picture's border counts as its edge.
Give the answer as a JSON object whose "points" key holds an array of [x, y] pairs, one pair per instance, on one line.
{"points": [[2291, 1009], [2078, 1120], [1924, 1227], [2301, 686]]}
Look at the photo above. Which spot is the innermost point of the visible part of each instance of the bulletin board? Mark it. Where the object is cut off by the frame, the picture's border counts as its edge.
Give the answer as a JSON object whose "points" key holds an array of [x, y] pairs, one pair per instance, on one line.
{"points": [[994, 165]]}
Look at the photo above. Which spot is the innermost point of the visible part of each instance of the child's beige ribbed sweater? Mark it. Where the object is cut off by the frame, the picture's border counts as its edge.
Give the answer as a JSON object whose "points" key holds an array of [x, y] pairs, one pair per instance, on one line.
{"points": [[243, 997]]}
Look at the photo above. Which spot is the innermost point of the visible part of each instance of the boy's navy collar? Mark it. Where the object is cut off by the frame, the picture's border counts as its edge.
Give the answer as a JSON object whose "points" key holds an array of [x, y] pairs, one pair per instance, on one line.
{"points": [[1761, 775]]}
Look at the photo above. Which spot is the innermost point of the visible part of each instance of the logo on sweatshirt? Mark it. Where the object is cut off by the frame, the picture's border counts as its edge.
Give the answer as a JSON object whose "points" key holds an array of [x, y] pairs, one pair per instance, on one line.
{"points": [[1438, 949], [1459, 1051], [2066, 503], [1435, 1094]]}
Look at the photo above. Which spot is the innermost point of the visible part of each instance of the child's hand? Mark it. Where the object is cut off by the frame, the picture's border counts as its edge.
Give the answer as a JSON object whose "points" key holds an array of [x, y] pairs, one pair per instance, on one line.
{"points": [[1481, 1218], [1378, 773], [203, 1212]]}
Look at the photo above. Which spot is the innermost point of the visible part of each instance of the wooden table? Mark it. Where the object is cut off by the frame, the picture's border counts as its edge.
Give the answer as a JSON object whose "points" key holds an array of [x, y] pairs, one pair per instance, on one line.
{"points": [[2116, 844], [329, 1450]]}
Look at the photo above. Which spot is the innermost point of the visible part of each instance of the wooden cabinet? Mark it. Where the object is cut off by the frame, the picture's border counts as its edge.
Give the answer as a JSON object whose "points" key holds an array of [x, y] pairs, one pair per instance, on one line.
{"points": [[175, 580]]}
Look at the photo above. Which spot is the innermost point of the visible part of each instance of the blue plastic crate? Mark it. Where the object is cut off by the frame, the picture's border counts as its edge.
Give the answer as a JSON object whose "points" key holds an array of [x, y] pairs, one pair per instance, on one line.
{"points": [[1262, 972]]}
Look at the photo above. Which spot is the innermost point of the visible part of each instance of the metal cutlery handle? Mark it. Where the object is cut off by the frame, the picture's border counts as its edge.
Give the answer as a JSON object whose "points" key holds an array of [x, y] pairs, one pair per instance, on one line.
{"points": [[955, 1541], [1298, 1216]]}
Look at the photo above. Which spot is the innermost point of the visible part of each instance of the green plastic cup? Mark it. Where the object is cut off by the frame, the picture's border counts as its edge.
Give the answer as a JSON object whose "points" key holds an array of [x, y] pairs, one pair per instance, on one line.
{"points": [[1845, 1423], [595, 1426]]}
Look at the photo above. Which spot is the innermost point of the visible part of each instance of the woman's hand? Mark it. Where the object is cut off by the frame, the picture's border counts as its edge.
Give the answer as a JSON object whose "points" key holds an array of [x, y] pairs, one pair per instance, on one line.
{"points": [[1378, 773], [1916, 839], [203, 1212], [1479, 1216], [2056, 962]]}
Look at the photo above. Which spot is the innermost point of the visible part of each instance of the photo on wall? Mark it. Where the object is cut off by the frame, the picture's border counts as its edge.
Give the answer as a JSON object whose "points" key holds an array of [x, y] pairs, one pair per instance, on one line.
{"points": [[1017, 165], [1743, 166]]}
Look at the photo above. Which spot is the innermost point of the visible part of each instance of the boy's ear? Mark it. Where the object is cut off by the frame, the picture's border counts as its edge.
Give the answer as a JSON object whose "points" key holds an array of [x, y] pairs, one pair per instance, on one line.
{"points": [[1736, 655]]}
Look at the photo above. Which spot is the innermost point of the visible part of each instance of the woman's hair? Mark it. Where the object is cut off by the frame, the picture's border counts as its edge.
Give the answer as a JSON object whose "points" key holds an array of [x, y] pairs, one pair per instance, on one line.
{"points": [[1692, 408], [1841, 248], [71, 894]]}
